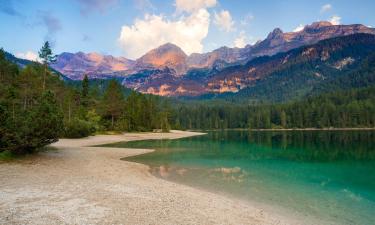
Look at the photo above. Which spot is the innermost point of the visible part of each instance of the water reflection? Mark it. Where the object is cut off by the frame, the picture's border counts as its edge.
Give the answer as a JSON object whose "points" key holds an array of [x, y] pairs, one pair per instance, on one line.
{"points": [[322, 173]]}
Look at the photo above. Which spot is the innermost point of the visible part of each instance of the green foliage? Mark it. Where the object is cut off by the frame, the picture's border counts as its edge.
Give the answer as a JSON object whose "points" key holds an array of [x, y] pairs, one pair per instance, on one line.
{"points": [[295, 75], [45, 54], [46, 122], [353, 108], [78, 128], [32, 115], [6, 155]]}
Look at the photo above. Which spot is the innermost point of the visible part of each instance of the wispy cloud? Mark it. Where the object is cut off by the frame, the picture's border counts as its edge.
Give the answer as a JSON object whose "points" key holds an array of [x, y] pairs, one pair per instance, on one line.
{"points": [[325, 8], [51, 23], [247, 19], [86, 38], [144, 5], [89, 6], [7, 7]]}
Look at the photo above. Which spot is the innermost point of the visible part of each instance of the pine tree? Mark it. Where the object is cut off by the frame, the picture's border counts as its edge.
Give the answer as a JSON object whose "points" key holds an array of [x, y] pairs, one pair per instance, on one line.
{"points": [[85, 91], [47, 57], [113, 101]]}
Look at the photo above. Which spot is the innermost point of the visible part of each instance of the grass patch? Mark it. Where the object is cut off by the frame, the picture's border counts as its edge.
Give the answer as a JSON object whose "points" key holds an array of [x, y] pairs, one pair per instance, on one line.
{"points": [[6, 156], [108, 132]]}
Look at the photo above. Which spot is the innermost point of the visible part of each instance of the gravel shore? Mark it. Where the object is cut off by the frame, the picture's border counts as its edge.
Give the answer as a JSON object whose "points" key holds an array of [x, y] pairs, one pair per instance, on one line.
{"points": [[76, 184]]}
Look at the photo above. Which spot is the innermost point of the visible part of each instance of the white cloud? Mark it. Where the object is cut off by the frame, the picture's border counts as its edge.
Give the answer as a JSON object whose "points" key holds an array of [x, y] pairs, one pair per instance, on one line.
{"points": [[335, 20], [223, 21], [193, 5], [325, 8], [247, 19], [299, 28], [155, 30], [240, 41], [29, 55]]}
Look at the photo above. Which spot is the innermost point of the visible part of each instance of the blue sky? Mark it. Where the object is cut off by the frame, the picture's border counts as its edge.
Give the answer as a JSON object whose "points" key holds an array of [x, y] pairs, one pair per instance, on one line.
{"points": [[131, 27]]}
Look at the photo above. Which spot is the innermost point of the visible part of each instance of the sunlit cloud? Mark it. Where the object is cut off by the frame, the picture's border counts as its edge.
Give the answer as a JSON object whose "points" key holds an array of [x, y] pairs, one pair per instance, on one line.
{"points": [[241, 40], [224, 21], [193, 5], [299, 28], [29, 55], [155, 30], [335, 20]]}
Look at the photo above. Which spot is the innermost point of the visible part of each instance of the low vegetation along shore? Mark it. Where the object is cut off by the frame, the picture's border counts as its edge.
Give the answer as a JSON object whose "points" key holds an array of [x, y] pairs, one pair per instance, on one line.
{"points": [[77, 184]]}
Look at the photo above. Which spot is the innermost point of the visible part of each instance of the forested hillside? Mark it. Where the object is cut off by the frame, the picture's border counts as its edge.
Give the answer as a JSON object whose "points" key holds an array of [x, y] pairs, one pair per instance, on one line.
{"points": [[37, 105], [333, 64], [35, 111], [352, 108]]}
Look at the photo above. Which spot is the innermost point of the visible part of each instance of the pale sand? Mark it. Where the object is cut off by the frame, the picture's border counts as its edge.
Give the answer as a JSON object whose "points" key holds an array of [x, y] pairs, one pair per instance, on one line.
{"points": [[75, 184]]}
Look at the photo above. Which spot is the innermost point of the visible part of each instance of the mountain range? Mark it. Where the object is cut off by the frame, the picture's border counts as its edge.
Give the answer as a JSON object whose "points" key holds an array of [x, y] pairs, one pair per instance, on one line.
{"points": [[168, 71]]}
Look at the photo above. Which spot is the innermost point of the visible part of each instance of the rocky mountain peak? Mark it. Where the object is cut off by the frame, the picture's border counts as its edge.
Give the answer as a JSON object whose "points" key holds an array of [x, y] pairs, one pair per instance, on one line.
{"points": [[277, 32], [167, 55], [319, 24]]}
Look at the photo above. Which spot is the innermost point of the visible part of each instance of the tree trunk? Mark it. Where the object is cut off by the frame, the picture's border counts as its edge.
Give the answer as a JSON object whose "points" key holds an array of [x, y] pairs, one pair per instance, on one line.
{"points": [[69, 112], [13, 113], [112, 121], [44, 77]]}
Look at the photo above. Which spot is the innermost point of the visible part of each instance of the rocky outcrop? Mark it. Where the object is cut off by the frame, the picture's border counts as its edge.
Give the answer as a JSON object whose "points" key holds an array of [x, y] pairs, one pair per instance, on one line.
{"points": [[95, 65]]}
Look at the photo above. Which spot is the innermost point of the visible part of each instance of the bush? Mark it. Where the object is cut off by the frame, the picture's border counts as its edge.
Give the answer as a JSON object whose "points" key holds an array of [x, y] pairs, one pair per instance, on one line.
{"points": [[78, 128]]}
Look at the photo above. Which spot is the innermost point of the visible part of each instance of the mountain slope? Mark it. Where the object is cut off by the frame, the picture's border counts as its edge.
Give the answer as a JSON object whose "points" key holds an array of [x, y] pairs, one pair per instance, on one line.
{"points": [[172, 57], [167, 55], [279, 77], [276, 42], [94, 65], [333, 64]]}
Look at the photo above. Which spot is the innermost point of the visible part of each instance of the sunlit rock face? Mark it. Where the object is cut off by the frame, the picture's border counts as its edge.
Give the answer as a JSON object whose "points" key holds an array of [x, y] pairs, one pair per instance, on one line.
{"points": [[76, 65], [277, 41], [167, 70], [168, 55]]}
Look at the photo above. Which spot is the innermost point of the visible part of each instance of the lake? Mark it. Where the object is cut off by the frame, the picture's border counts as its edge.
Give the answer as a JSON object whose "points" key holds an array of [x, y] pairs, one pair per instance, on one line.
{"points": [[324, 175]]}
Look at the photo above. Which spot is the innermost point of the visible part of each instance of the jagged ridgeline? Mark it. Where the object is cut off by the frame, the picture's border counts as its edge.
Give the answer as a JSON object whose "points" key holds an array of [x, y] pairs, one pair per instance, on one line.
{"points": [[280, 62], [335, 64]]}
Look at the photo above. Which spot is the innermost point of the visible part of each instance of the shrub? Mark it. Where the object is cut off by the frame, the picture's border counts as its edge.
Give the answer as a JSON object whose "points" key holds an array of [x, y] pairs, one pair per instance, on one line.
{"points": [[78, 128]]}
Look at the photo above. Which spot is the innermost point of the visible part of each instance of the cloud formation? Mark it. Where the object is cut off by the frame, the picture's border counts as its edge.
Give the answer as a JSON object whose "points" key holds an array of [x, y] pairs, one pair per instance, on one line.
{"points": [[325, 8], [144, 5], [29, 55], [52, 24], [193, 5], [155, 30], [247, 19], [240, 41], [88, 6], [335, 20], [223, 21], [299, 28]]}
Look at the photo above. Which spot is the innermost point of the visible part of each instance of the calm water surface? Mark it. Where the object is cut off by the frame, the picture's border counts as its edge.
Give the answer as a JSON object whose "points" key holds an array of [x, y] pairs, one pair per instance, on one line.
{"points": [[328, 175]]}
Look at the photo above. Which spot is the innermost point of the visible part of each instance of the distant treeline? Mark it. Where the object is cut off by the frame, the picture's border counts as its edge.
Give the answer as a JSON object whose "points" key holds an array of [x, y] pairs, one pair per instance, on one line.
{"points": [[352, 108], [37, 107]]}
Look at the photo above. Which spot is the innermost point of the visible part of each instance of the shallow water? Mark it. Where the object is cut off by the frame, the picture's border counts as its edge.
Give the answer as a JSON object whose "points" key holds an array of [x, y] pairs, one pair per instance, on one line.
{"points": [[328, 175]]}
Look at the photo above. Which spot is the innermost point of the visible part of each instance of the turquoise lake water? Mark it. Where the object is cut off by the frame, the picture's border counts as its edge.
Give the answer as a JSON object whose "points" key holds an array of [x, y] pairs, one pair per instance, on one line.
{"points": [[325, 175]]}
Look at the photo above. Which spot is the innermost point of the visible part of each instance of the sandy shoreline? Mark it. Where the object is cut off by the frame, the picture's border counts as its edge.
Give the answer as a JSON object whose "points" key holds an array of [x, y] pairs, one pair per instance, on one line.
{"points": [[75, 184]]}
